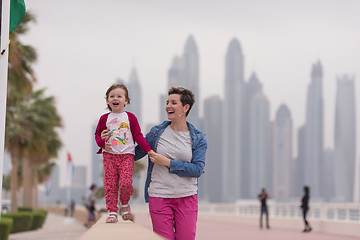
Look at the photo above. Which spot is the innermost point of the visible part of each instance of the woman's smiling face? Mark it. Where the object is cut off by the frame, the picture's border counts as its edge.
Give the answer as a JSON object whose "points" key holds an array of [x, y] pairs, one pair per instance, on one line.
{"points": [[174, 107]]}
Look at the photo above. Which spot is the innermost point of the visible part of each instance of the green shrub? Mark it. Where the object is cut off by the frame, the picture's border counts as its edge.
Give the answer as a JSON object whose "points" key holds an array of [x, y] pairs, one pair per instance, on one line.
{"points": [[44, 211], [5, 227], [25, 209], [39, 219], [22, 221]]}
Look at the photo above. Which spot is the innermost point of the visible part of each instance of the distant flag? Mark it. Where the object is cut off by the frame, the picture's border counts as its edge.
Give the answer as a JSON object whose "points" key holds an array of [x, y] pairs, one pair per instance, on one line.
{"points": [[70, 170], [47, 185], [17, 11]]}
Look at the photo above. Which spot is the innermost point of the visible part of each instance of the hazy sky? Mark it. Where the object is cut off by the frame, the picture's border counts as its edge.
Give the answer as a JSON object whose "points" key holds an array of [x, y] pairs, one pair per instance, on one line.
{"points": [[84, 46]]}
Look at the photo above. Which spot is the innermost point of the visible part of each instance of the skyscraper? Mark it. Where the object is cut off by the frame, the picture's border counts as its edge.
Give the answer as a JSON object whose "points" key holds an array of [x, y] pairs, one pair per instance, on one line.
{"points": [[282, 154], [184, 72], [328, 175], [175, 73], [299, 168], [191, 77], [234, 84], [260, 158], [314, 146], [345, 138], [175, 79], [253, 86], [210, 181], [134, 89]]}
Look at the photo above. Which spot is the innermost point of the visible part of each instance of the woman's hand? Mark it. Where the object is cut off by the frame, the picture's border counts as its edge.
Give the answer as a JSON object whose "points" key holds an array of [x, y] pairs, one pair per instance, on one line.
{"points": [[159, 159]]}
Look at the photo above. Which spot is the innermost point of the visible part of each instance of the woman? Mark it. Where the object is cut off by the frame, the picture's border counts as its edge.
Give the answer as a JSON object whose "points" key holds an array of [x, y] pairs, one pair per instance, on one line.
{"points": [[179, 159], [305, 207]]}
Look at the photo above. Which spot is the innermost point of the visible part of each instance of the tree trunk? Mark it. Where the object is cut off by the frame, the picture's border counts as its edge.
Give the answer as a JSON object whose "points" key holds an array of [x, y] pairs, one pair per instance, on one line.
{"points": [[27, 180], [35, 170], [15, 152]]}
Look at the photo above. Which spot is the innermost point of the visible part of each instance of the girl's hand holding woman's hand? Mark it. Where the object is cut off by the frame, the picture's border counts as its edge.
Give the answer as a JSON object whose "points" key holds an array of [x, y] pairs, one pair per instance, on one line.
{"points": [[151, 152], [159, 159]]}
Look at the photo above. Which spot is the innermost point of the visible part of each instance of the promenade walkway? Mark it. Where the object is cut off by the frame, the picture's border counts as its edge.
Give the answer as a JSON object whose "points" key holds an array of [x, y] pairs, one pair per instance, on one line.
{"points": [[56, 227], [209, 228]]}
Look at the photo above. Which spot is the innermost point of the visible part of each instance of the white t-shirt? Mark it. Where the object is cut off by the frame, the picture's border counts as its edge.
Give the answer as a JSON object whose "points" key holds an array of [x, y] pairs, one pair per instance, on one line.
{"points": [[121, 138], [174, 145]]}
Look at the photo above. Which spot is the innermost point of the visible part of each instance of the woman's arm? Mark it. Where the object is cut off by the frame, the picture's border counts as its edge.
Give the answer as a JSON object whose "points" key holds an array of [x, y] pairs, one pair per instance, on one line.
{"points": [[185, 169]]}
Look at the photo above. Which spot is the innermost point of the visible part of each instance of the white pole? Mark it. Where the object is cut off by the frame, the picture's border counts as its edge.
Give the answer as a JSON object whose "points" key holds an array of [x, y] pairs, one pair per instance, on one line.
{"points": [[356, 189], [69, 219], [4, 54], [68, 201]]}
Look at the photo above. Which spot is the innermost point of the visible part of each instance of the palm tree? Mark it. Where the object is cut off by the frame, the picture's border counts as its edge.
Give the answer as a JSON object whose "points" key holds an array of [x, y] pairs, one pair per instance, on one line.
{"points": [[16, 137], [43, 120], [39, 160], [21, 57], [20, 79]]}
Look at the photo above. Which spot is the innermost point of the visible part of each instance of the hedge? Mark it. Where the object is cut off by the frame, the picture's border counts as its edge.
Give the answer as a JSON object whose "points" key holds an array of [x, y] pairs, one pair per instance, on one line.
{"points": [[39, 219], [22, 220], [5, 227], [25, 209]]}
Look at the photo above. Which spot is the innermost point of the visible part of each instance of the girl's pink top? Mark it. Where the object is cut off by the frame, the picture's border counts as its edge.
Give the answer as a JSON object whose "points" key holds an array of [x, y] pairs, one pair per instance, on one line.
{"points": [[134, 128]]}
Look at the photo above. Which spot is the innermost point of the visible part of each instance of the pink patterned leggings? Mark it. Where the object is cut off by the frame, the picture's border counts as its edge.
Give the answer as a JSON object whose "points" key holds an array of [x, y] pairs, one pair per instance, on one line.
{"points": [[118, 171]]}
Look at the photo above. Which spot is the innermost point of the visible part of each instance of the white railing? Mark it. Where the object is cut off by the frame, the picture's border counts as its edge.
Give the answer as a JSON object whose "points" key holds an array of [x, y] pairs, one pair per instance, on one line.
{"points": [[318, 211]]}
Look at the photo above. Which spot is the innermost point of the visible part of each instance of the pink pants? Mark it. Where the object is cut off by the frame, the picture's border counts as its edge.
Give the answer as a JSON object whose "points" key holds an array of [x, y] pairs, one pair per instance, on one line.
{"points": [[174, 218], [118, 171]]}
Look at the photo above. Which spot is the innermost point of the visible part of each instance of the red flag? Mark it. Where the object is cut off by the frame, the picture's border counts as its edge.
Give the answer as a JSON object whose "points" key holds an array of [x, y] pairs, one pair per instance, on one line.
{"points": [[70, 169]]}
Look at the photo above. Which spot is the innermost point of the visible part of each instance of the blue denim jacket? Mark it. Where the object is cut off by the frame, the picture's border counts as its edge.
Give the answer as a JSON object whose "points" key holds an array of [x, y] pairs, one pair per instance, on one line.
{"points": [[183, 169]]}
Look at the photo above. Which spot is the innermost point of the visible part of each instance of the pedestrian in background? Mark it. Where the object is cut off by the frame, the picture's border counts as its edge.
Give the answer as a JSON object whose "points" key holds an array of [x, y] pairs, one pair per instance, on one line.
{"points": [[91, 218], [263, 196], [305, 207], [90, 195]]}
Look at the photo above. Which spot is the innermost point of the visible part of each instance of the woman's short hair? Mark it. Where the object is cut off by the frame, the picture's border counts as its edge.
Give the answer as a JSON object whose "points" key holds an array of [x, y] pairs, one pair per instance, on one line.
{"points": [[186, 96]]}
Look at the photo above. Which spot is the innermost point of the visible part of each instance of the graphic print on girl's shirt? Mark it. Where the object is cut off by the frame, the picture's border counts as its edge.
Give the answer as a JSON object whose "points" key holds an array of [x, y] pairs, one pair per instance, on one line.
{"points": [[120, 134]]}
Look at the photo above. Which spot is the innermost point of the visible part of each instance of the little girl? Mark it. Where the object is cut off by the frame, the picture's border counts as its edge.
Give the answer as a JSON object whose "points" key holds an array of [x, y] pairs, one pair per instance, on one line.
{"points": [[118, 151]]}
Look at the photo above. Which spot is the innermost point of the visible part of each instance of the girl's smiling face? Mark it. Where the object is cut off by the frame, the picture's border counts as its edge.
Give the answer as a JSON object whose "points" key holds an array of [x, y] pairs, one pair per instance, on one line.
{"points": [[117, 100]]}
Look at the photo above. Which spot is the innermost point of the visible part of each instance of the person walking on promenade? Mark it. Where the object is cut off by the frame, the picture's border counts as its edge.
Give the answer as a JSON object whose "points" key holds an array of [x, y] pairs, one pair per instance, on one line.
{"points": [[90, 195], [90, 200], [305, 207], [91, 219], [174, 168], [118, 147], [263, 196]]}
